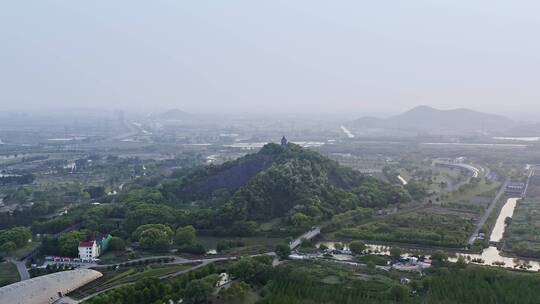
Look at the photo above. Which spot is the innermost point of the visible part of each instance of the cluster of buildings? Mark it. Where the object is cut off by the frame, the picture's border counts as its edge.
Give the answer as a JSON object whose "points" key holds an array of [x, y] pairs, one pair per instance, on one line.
{"points": [[411, 264], [515, 188]]}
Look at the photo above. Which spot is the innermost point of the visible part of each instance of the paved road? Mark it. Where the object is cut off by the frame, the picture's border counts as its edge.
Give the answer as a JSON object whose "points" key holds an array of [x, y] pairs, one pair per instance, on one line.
{"points": [[488, 212], [21, 268], [475, 171], [531, 173], [21, 265]]}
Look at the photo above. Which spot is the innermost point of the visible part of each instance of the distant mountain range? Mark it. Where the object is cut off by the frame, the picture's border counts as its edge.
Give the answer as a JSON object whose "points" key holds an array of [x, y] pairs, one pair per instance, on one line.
{"points": [[428, 120]]}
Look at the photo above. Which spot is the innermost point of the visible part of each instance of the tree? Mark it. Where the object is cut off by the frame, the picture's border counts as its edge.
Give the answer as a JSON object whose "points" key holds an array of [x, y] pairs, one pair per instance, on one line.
{"points": [[95, 191], [252, 270], [185, 235], [300, 220], [69, 243], [18, 235], [236, 291], [198, 291], [395, 253], [155, 239], [371, 266], [416, 190], [283, 251], [195, 248], [8, 247], [117, 244], [439, 258], [357, 247], [461, 262], [398, 293], [138, 232], [149, 214]]}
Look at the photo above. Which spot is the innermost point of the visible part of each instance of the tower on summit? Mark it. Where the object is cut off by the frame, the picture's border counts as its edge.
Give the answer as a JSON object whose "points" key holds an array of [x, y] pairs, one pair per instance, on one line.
{"points": [[284, 142]]}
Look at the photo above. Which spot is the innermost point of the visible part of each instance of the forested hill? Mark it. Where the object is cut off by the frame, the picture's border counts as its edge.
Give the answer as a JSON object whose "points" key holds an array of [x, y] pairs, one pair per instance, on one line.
{"points": [[232, 175], [298, 185]]}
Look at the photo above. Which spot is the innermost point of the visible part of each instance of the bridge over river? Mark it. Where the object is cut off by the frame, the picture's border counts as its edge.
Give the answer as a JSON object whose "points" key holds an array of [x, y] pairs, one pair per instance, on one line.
{"points": [[306, 236]]}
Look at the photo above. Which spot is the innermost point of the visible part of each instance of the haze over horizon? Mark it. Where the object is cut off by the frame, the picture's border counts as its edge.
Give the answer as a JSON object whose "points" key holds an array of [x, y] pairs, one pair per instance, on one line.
{"points": [[275, 57]]}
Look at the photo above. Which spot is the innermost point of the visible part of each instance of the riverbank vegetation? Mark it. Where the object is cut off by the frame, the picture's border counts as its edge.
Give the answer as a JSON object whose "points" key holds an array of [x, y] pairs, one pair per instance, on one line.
{"points": [[522, 236], [481, 285], [416, 228]]}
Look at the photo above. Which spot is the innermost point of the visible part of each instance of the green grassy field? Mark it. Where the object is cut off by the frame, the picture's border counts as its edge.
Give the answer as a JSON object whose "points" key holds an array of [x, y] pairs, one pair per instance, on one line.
{"points": [[469, 191], [414, 228], [522, 236], [8, 274]]}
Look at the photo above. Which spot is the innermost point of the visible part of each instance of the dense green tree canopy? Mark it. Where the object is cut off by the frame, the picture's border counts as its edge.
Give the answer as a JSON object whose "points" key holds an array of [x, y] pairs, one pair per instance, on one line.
{"points": [[117, 244], [283, 251], [138, 232], [357, 247], [185, 235], [68, 243], [155, 239], [142, 214], [18, 235]]}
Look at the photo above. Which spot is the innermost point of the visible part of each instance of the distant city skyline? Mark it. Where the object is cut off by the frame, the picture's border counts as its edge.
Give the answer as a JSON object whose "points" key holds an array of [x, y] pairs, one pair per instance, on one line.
{"points": [[339, 58]]}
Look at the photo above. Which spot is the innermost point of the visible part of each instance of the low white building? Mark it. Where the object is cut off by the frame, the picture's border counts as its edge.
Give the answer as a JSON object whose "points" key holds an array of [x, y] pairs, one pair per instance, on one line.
{"points": [[88, 250]]}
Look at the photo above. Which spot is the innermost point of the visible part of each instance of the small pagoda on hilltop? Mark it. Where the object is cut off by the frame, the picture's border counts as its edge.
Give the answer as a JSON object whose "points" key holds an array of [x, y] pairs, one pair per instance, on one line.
{"points": [[284, 142]]}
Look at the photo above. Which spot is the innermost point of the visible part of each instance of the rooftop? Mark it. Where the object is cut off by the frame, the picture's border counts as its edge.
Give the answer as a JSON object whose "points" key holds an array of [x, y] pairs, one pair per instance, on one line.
{"points": [[86, 244], [45, 289]]}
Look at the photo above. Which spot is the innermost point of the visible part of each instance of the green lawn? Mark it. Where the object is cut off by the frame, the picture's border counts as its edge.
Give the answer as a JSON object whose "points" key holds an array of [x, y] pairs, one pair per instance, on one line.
{"points": [[8, 274], [469, 191], [522, 236], [414, 228]]}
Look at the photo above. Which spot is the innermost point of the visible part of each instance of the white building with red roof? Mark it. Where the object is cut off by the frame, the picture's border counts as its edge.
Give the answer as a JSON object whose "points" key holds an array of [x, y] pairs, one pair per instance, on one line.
{"points": [[88, 250]]}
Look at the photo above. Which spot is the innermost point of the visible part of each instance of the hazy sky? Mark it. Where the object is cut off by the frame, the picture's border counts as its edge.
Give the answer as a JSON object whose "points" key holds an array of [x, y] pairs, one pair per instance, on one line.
{"points": [[312, 56]]}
